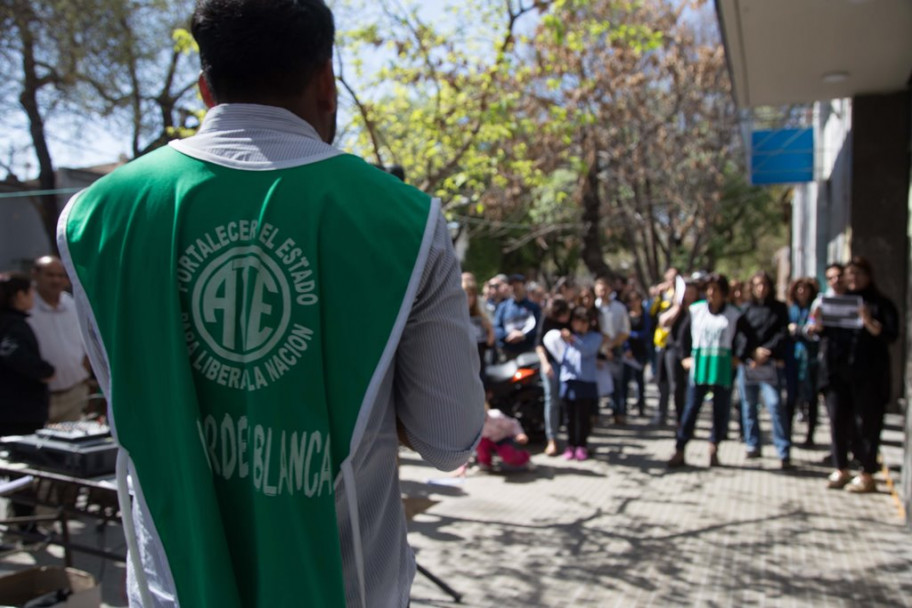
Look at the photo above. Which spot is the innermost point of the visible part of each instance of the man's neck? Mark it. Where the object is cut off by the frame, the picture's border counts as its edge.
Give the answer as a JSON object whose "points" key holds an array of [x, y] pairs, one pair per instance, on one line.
{"points": [[49, 299]]}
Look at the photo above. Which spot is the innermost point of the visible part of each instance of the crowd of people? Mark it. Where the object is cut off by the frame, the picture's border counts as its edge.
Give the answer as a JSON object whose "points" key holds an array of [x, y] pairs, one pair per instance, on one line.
{"points": [[259, 412], [703, 338], [44, 371], [700, 339]]}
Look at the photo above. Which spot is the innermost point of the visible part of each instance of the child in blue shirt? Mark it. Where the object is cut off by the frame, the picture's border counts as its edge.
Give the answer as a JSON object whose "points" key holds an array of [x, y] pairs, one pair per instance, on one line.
{"points": [[576, 349]]}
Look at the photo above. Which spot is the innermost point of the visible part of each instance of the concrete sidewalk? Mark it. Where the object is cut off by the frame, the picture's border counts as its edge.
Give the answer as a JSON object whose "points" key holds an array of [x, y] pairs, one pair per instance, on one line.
{"points": [[623, 530]]}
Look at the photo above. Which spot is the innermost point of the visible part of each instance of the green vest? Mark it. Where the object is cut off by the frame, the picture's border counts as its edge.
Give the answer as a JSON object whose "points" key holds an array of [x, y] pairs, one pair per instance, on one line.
{"points": [[247, 318]]}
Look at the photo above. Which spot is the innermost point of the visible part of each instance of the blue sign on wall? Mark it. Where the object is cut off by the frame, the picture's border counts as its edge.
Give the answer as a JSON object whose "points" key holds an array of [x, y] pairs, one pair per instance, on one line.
{"points": [[782, 156]]}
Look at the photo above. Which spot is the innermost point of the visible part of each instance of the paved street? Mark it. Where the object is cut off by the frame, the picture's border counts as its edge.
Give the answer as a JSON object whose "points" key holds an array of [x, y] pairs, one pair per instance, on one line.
{"points": [[622, 530]]}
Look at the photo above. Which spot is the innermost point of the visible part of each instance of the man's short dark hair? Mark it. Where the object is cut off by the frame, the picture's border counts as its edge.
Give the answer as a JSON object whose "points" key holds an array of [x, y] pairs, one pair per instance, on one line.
{"points": [[251, 49], [720, 281], [12, 283]]}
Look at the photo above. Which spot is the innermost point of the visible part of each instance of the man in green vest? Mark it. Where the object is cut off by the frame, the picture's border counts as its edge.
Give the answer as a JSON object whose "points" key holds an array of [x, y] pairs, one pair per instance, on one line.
{"points": [[258, 397]]}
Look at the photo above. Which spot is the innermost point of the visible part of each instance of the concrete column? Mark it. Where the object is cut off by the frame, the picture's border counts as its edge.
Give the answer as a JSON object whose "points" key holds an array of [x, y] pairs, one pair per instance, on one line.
{"points": [[907, 445], [880, 203], [906, 482]]}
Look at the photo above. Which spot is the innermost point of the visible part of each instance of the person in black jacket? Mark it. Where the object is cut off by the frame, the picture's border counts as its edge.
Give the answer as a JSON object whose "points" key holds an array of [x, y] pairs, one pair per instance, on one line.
{"points": [[855, 377], [24, 375], [24, 396], [762, 373]]}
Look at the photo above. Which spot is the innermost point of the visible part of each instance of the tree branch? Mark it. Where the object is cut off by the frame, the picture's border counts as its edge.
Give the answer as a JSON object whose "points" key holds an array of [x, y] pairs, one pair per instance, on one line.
{"points": [[369, 124]]}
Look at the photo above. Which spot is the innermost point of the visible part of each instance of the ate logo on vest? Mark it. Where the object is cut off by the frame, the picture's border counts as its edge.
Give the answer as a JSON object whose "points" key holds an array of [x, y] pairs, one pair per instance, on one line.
{"points": [[244, 284], [241, 304]]}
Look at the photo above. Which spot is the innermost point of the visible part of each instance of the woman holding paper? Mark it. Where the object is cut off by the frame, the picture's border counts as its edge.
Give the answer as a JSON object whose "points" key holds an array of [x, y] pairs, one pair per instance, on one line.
{"points": [[855, 374]]}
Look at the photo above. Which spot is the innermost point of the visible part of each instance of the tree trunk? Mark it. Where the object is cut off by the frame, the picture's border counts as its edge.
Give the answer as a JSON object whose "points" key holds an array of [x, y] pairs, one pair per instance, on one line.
{"points": [[29, 99], [592, 230], [655, 270]]}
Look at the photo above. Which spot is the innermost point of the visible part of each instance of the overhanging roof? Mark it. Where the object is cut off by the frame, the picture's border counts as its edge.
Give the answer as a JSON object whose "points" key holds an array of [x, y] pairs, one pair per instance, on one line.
{"points": [[800, 51]]}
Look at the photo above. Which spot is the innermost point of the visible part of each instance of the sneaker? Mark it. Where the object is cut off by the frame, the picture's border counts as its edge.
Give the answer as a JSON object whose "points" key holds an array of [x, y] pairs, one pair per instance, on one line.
{"points": [[786, 464], [484, 466], [581, 454], [569, 453], [677, 460], [838, 480], [751, 454], [862, 484]]}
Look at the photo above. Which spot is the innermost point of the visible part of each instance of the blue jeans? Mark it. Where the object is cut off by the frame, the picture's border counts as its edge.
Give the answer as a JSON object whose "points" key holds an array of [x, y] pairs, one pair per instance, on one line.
{"points": [[721, 406], [618, 405], [772, 398], [629, 373], [551, 387]]}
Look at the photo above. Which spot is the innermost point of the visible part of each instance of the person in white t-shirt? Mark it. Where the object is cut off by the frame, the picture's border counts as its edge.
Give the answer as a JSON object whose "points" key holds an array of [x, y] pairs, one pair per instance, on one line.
{"points": [[615, 326], [56, 325]]}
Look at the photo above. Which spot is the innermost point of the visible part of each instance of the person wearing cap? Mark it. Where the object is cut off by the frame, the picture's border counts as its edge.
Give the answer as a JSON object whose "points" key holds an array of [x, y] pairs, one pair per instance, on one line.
{"points": [[516, 320], [700, 279]]}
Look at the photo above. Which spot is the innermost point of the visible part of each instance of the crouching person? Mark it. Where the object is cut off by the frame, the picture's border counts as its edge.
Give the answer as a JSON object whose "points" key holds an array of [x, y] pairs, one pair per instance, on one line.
{"points": [[501, 435]]}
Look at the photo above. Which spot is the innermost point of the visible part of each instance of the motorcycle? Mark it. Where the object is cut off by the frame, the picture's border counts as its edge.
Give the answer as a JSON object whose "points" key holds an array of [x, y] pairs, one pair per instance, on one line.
{"points": [[515, 388]]}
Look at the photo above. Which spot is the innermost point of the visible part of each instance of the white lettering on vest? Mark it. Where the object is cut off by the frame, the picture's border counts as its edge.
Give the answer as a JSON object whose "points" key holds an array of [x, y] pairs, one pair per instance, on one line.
{"points": [[229, 447], [297, 462], [314, 444], [326, 470], [268, 490], [211, 440], [243, 467], [259, 438], [284, 481], [267, 235], [246, 282]]}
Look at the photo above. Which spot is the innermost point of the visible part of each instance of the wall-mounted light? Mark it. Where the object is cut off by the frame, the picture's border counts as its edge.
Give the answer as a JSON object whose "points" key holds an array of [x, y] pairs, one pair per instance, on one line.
{"points": [[835, 77]]}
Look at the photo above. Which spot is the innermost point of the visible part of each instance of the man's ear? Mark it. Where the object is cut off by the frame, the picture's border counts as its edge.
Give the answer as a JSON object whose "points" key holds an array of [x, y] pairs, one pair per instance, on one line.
{"points": [[206, 92], [327, 96]]}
